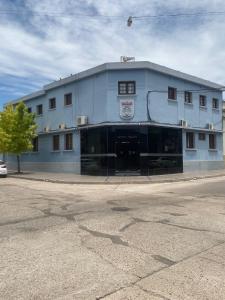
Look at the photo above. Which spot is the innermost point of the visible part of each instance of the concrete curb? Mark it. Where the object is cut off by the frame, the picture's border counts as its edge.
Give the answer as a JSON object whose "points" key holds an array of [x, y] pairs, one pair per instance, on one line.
{"points": [[117, 182]]}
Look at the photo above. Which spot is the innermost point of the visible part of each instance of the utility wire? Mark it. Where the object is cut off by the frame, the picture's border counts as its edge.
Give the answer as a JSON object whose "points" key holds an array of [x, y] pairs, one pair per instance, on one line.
{"points": [[206, 13], [221, 89], [68, 14]]}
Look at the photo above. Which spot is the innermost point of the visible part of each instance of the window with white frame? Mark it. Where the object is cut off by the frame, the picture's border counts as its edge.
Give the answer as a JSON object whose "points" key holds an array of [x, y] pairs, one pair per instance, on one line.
{"points": [[68, 141], [215, 103], [188, 97], [190, 140], [52, 103], [68, 99], [55, 142], [126, 87], [212, 141], [202, 101], [39, 109], [172, 93]]}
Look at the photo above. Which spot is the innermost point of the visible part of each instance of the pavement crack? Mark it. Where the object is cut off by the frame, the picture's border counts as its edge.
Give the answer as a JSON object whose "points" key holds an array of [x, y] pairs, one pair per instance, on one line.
{"points": [[47, 213], [70, 216], [166, 222], [106, 260], [135, 221], [212, 260], [154, 293], [64, 207], [115, 239], [127, 226], [109, 294], [21, 220], [180, 261], [164, 260]]}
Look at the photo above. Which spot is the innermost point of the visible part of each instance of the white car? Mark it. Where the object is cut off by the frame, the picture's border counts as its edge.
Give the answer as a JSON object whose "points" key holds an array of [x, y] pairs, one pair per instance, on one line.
{"points": [[3, 169]]}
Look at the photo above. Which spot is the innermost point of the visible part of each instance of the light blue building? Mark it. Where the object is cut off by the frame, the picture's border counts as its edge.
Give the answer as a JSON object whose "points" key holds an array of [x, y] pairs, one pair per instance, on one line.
{"points": [[126, 118]]}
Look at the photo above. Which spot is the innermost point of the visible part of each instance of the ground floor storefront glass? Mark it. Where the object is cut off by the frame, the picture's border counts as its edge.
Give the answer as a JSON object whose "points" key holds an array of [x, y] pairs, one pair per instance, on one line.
{"points": [[131, 150]]}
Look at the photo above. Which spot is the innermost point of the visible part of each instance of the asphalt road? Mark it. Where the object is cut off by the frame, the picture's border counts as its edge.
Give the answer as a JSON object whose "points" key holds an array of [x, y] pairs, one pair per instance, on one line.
{"points": [[112, 242]]}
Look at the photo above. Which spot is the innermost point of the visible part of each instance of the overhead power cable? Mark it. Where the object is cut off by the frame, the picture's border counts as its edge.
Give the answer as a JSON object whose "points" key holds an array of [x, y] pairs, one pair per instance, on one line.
{"points": [[206, 13], [71, 14], [190, 90]]}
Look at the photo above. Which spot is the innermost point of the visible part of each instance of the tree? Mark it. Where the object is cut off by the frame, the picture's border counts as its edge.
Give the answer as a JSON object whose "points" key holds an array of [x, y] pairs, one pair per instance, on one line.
{"points": [[17, 130]]}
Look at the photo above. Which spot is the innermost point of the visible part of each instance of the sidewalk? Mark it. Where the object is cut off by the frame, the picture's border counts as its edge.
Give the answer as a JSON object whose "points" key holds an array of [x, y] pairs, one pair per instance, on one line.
{"points": [[68, 178]]}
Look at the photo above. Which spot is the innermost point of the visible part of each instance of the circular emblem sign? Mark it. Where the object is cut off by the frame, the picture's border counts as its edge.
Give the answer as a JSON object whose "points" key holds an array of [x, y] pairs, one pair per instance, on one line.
{"points": [[126, 109]]}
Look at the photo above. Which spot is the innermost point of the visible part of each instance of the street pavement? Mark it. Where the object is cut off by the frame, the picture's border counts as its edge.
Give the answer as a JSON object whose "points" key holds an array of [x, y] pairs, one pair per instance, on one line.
{"points": [[72, 178], [112, 242]]}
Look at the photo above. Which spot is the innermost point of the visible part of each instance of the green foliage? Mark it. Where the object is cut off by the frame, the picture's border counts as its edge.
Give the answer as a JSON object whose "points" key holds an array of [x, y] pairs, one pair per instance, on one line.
{"points": [[17, 129]]}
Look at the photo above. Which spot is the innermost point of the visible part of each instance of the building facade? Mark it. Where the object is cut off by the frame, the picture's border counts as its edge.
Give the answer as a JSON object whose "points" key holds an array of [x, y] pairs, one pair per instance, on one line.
{"points": [[126, 118], [224, 130]]}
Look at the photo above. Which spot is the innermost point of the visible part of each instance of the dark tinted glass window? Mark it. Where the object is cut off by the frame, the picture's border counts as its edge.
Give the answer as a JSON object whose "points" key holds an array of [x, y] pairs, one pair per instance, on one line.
{"points": [[68, 99], [164, 140], [29, 109], [55, 142], [35, 144], [212, 141], [52, 103], [39, 109], [190, 140], [126, 87], [172, 93], [68, 141], [94, 141]]}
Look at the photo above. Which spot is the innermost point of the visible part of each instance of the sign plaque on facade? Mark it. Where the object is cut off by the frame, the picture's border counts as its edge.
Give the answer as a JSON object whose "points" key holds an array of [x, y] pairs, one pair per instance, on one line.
{"points": [[127, 109]]}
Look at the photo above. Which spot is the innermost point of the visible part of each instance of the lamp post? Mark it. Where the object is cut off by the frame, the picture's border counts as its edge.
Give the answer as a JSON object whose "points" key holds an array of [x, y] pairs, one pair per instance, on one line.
{"points": [[129, 21]]}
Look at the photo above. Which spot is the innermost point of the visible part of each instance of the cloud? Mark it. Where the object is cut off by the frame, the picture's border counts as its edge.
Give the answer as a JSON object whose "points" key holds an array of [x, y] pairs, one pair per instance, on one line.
{"points": [[36, 48]]}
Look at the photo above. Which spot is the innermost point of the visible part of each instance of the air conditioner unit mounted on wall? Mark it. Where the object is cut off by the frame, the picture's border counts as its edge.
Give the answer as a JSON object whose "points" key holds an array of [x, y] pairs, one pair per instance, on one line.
{"points": [[210, 126], [82, 120], [183, 123], [62, 126], [46, 129]]}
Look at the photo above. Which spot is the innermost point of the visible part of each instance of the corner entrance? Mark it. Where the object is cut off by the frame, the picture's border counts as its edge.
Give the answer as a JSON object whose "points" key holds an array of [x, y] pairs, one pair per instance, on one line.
{"points": [[127, 150]]}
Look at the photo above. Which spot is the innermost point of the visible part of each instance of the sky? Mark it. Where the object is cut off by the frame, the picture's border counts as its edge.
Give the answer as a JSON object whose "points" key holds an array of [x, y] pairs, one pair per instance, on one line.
{"points": [[42, 41]]}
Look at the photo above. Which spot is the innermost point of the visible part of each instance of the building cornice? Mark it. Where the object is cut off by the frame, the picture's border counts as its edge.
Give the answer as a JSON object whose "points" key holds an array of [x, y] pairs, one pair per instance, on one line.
{"points": [[113, 66]]}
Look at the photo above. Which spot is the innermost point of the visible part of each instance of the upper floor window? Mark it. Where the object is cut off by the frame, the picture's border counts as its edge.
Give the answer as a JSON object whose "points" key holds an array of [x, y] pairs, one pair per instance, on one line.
{"points": [[212, 141], [35, 144], [68, 99], [190, 140], [215, 103], [52, 103], [172, 93], [188, 97], [68, 141], [202, 101], [29, 109], [126, 87], [39, 109], [55, 142]]}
